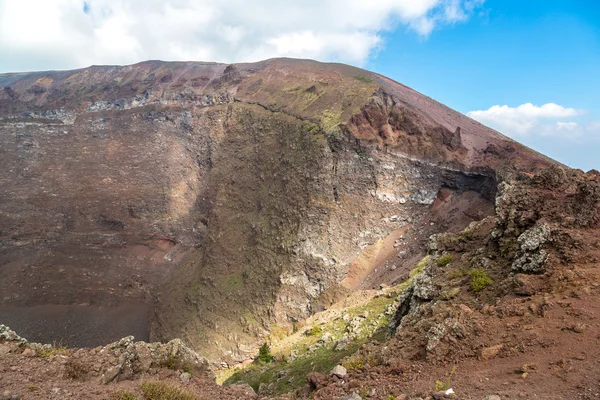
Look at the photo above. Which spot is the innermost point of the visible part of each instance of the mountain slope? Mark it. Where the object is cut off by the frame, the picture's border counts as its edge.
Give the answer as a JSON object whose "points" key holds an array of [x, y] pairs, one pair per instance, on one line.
{"points": [[219, 202]]}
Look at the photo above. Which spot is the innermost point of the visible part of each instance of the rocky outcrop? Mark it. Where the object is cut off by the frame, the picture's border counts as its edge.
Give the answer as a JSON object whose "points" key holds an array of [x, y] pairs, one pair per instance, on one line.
{"points": [[526, 249], [531, 257], [121, 360]]}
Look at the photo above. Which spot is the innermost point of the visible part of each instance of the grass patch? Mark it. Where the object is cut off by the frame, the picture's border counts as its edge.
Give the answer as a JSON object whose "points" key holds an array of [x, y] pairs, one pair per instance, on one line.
{"points": [[322, 360], [173, 363], [316, 330], [123, 395], [420, 267], [465, 236], [459, 273], [444, 260], [48, 351], [285, 376], [479, 279], [358, 362], [163, 391], [278, 332], [363, 79]]}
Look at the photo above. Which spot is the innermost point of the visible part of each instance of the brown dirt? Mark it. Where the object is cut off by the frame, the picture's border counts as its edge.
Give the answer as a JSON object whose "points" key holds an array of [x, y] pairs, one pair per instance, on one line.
{"points": [[38, 378]]}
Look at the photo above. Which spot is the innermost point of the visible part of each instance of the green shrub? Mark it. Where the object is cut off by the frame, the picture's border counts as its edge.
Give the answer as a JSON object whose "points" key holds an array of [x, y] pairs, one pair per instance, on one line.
{"points": [[264, 353], [164, 391], [314, 331], [354, 363], [479, 279], [444, 260]]}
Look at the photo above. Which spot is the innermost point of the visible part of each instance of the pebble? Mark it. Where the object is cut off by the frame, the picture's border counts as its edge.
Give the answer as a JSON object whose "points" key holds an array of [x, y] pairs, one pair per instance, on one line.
{"points": [[339, 371], [185, 377], [7, 395]]}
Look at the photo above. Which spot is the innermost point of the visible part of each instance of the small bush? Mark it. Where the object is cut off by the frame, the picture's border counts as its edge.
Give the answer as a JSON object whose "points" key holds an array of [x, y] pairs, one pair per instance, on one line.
{"points": [[459, 273], [479, 279], [441, 386], [444, 260], [465, 236], [164, 391], [354, 363], [314, 331], [75, 369], [123, 395], [264, 353]]}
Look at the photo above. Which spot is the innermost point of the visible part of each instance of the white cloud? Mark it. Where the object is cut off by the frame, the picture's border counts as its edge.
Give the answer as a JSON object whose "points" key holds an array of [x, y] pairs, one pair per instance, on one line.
{"points": [[529, 119], [43, 34]]}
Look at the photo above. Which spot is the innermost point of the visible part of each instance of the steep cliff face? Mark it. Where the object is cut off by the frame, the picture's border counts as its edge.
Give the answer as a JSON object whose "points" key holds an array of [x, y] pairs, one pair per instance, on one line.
{"points": [[214, 202]]}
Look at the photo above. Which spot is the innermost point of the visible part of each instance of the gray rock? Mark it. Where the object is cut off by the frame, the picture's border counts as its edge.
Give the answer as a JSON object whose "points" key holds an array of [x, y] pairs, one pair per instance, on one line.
{"points": [[339, 371], [110, 374], [243, 386], [353, 396], [424, 197], [492, 397], [532, 258], [8, 335], [423, 287], [342, 343], [533, 238], [531, 262], [185, 377]]}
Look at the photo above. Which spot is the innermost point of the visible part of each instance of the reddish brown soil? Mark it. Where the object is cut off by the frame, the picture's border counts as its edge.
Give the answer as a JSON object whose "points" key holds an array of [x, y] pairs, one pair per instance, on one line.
{"points": [[39, 378]]}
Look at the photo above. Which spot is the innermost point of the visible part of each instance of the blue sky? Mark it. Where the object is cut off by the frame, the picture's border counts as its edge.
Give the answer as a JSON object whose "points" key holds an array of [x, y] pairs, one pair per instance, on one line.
{"points": [[516, 52], [526, 68]]}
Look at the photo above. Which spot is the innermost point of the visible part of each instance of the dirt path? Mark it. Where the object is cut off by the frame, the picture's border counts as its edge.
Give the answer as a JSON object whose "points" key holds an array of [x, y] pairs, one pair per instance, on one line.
{"points": [[371, 258]]}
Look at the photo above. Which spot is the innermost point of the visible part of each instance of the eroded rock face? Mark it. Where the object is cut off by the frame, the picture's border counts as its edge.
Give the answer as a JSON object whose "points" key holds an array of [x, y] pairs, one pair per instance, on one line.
{"points": [[218, 201]]}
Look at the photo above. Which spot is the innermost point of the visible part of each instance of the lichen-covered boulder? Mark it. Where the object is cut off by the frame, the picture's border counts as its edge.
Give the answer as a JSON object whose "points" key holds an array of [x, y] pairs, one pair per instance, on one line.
{"points": [[532, 257]]}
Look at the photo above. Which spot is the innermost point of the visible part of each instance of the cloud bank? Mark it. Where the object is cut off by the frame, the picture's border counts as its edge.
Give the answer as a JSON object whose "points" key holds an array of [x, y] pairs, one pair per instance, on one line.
{"points": [[60, 34], [528, 119]]}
